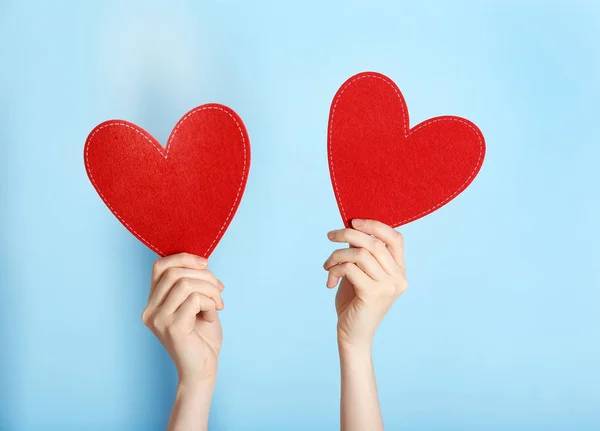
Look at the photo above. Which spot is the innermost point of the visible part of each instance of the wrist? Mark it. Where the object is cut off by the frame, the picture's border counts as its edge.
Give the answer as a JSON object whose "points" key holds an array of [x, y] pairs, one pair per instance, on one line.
{"points": [[355, 352], [355, 362], [353, 345], [195, 386], [192, 405], [197, 393]]}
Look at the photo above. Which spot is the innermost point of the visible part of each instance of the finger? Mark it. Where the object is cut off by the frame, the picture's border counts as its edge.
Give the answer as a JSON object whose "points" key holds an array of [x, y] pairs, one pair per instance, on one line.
{"points": [[361, 257], [210, 316], [362, 240], [172, 275], [180, 260], [184, 288], [391, 237], [353, 273], [193, 305]]}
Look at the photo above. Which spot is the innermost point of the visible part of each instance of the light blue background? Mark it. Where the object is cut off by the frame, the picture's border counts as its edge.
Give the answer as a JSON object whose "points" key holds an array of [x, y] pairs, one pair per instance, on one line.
{"points": [[500, 327]]}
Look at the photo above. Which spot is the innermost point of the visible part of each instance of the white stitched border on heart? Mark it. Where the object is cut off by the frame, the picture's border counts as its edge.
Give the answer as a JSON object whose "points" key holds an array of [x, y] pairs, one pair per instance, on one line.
{"points": [[165, 154], [406, 127]]}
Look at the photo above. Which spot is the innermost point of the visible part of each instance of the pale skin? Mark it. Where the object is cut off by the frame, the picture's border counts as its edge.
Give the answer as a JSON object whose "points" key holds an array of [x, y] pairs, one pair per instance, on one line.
{"points": [[185, 298], [182, 312], [373, 276]]}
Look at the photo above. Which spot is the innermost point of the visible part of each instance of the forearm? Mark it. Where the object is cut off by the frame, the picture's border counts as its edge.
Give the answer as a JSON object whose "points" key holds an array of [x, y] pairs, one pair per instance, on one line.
{"points": [[359, 409], [192, 406]]}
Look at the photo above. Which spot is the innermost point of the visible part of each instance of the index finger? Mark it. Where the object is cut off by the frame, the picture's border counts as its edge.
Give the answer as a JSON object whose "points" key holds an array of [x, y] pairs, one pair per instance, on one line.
{"points": [[179, 260], [390, 236]]}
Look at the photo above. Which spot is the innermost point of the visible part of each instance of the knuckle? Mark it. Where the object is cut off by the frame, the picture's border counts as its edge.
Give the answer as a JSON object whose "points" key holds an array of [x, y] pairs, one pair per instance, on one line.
{"points": [[146, 316], [157, 322], [399, 237], [212, 278], [157, 265], [334, 258], [347, 266], [362, 253], [171, 273], [402, 286], [378, 245], [184, 283]]}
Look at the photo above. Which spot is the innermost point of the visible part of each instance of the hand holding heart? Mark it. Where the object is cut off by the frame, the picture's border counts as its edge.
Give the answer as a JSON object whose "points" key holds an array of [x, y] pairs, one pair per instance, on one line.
{"points": [[182, 312], [373, 277]]}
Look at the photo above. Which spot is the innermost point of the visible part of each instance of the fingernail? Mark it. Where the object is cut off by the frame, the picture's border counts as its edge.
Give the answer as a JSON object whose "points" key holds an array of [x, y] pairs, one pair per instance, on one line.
{"points": [[358, 222], [330, 235], [202, 261]]}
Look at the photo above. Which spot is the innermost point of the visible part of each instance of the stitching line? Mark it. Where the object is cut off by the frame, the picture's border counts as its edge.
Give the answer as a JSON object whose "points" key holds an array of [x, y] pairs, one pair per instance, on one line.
{"points": [[406, 126], [165, 154]]}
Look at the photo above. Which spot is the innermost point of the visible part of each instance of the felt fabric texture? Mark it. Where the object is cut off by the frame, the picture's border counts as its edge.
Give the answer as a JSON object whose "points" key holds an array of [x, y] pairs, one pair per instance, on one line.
{"points": [[381, 168], [176, 199]]}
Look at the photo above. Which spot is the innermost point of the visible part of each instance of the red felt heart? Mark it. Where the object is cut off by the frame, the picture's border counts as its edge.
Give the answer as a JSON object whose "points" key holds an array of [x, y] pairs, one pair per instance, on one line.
{"points": [[175, 199], [383, 170]]}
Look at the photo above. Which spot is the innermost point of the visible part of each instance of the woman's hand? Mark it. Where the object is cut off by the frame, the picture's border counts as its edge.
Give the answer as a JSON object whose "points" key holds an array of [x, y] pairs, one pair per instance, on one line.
{"points": [[182, 313], [373, 277]]}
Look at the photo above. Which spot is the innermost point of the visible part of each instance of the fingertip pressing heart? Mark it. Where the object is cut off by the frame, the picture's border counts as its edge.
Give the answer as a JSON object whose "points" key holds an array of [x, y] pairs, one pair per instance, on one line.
{"points": [[357, 222]]}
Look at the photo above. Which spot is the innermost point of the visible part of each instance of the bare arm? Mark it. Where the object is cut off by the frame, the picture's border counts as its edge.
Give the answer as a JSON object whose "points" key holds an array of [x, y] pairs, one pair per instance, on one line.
{"points": [[359, 406], [192, 406], [373, 277]]}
